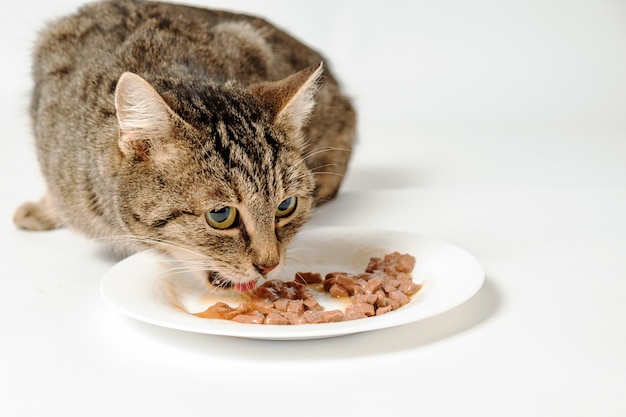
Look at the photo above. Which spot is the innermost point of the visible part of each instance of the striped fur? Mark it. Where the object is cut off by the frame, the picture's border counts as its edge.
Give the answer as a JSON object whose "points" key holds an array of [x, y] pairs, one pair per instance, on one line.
{"points": [[147, 115]]}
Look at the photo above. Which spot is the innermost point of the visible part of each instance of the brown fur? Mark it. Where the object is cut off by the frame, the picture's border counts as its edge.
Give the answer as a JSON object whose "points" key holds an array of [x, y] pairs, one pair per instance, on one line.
{"points": [[149, 115]]}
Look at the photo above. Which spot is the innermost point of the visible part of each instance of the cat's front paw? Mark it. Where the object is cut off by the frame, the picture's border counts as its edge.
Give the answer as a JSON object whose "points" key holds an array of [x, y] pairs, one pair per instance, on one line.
{"points": [[34, 216]]}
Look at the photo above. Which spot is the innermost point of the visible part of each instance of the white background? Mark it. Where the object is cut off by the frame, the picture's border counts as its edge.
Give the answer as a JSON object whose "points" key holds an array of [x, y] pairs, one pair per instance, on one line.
{"points": [[499, 126]]}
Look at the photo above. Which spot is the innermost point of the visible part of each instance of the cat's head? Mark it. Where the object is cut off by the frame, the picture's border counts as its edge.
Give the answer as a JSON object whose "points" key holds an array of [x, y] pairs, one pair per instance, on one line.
{"points": [[215, 174]]}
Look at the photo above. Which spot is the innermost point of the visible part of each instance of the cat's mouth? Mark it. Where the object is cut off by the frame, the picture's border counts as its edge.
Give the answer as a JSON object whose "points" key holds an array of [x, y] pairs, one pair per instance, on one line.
{"points": [[218, 280]]}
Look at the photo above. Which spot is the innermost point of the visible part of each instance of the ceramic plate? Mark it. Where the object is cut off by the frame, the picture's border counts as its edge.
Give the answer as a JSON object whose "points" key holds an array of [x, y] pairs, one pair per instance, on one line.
{"points": [[154, 289]]}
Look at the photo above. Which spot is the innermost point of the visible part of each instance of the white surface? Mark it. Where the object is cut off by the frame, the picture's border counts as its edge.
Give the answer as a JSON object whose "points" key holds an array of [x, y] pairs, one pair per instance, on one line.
{"points": [[498, 126], [154, 290]]}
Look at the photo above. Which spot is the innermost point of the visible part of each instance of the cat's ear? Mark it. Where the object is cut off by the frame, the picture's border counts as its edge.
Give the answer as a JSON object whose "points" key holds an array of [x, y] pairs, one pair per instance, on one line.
{"points": [[292, 99], [145, 120]]}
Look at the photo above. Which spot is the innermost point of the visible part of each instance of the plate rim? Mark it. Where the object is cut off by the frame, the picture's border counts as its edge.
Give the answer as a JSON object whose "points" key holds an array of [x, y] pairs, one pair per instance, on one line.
{"points": [[190, 323]]}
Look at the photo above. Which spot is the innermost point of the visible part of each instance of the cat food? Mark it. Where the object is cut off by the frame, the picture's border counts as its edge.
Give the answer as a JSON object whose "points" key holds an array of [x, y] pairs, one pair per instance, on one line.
{"points": [[384, 286]]}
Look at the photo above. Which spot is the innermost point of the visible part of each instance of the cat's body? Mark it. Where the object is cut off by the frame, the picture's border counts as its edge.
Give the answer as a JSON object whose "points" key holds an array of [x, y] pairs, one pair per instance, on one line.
{"points": [[204, 134]]}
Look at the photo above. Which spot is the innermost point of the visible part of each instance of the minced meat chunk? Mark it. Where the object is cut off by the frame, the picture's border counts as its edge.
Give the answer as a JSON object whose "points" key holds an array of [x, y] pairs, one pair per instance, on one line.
{"points": [[386, 285]]}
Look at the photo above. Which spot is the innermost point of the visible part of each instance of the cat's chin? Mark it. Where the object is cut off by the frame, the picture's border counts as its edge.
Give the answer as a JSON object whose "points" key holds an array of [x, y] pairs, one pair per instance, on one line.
{"points": [[219, 281]]}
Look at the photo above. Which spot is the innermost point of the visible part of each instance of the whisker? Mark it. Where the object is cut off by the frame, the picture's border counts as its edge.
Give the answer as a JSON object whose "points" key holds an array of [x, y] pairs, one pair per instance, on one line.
{"points": [[146, 240], [327, 149], [323, 166], [328, 173]]}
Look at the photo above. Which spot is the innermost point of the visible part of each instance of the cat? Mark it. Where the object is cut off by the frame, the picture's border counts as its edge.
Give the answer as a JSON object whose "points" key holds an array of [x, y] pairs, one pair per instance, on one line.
{"points": [[206, 135]]}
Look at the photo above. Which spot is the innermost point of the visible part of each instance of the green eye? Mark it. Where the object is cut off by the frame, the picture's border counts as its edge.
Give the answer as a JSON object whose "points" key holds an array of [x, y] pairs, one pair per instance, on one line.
{"points": [[287, 207], [223, 218]]}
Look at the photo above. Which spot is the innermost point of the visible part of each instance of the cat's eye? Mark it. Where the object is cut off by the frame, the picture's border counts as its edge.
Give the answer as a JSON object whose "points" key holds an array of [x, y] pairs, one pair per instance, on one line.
{"points": [[223, 218], [286, 207]]}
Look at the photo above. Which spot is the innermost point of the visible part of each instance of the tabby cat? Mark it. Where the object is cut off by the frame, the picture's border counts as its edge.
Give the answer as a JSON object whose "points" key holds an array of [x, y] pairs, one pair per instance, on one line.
{"points": [[204, 134]]}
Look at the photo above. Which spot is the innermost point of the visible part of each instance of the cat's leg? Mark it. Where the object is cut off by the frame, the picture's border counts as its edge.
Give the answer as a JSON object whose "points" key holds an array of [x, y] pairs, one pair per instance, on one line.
{"points": [[37, 216]]}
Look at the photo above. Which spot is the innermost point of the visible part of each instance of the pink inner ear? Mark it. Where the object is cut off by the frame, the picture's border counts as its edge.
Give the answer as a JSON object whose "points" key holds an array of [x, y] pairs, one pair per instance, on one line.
{"points": [[302, 101], [140, 109], [144, 119], [292, 98], [133, 147]]}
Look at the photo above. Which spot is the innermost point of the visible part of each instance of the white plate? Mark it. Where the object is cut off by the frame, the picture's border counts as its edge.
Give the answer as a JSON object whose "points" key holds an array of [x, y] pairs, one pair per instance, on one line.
{"points": [[146, 287]]}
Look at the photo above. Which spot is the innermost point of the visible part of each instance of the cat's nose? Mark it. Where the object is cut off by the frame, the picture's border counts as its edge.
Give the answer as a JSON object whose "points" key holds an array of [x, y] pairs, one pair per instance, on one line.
{"points": [[264, 269]]}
